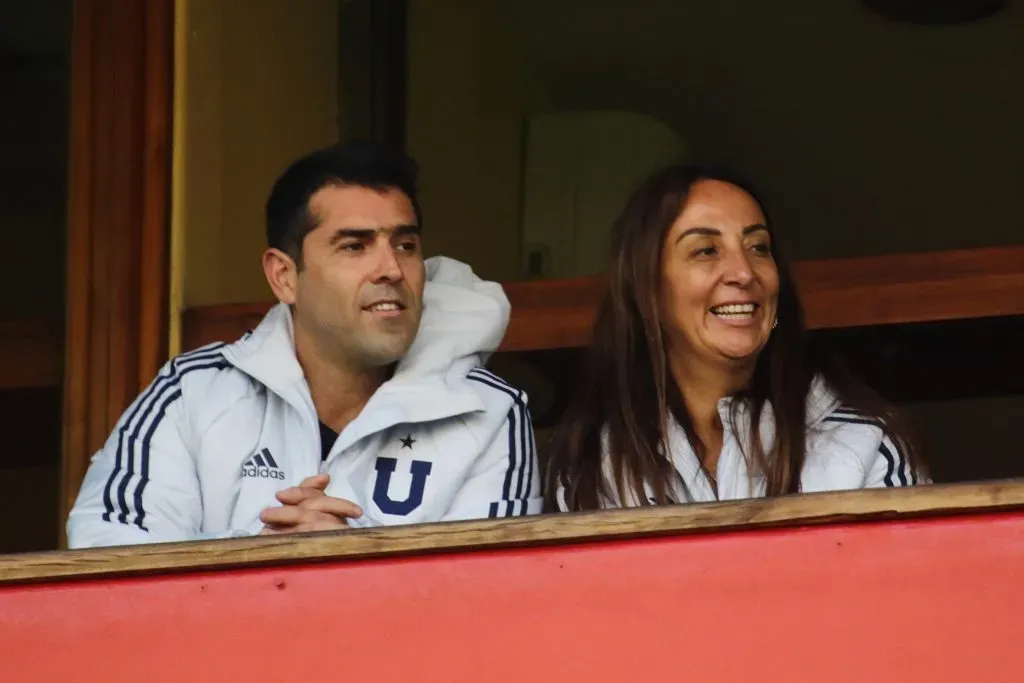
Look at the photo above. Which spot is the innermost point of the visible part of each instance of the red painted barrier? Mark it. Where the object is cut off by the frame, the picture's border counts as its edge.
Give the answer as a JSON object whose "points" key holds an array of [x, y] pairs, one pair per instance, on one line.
{"points": [[929, 600]]}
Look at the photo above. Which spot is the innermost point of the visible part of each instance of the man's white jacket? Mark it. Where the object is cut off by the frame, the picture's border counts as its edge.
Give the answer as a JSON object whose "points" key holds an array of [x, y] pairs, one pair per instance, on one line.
{"points": [[221, 429]]}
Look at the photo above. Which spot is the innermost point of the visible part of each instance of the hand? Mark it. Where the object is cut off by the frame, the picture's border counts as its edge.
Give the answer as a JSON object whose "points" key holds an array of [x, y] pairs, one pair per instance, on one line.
{"points": [[307, 508]]}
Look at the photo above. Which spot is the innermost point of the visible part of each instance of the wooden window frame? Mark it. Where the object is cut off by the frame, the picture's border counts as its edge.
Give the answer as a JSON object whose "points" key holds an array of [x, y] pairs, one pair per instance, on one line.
{"points": [[118, 247], [810, 509], [117, 252]]}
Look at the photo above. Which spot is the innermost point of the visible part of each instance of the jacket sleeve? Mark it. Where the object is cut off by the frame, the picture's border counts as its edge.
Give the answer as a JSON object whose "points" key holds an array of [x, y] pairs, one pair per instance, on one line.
{"points": [[506, 479], [142, 486], [888, 466]]}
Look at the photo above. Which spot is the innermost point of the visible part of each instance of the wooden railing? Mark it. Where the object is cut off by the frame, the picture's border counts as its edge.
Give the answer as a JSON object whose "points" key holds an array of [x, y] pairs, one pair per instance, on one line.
{"points": [[852, 292], [885, 585], [808, 509]]}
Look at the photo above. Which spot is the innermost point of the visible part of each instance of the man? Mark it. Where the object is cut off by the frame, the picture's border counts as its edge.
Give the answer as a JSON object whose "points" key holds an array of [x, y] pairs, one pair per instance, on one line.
{"points": [[344, 407]]}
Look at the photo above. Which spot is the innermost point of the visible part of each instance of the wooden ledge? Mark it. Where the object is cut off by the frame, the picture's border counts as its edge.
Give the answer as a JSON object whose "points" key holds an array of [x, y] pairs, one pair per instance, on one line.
{"points": [[851, 292], [824, 508]]}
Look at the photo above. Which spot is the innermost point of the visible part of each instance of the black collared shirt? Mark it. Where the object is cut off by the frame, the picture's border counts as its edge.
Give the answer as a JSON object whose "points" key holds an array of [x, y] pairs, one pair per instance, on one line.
{"points": [[327, 438]]}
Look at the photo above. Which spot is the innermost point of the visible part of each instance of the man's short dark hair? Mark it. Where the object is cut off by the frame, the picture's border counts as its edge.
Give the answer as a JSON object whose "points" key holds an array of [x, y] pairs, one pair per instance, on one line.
{"points": [[360, 162]]}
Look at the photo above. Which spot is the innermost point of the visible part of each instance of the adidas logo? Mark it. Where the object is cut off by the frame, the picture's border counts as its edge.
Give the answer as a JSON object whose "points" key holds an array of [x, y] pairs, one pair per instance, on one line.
{"points": [[262, 466]]}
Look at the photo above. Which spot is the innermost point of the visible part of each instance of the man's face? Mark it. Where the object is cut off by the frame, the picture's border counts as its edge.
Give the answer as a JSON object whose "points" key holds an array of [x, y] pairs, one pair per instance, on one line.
{"points": [[359, 296]]}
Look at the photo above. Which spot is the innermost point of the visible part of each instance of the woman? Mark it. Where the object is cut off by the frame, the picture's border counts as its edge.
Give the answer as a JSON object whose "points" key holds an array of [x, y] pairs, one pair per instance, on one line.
{"points": [[701, 383]]}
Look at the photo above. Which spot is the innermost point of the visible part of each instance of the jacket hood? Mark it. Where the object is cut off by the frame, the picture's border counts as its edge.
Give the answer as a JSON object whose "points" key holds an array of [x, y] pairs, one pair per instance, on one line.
{"points": [[463, 322]]}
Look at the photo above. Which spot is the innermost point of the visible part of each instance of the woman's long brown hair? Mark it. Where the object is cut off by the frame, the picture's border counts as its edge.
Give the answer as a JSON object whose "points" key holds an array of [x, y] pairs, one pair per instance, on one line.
{"points": [[627, 392]]}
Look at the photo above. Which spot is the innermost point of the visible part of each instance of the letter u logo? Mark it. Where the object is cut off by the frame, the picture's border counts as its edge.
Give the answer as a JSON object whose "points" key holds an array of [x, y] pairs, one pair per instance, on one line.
{"points": [[385, 468]]}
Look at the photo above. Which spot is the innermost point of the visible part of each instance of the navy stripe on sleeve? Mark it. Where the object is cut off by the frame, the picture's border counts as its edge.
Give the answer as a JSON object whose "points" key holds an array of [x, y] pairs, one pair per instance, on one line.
{"points": [[896, 462], [529, 476], [857, 420], [519, 444], [524, 433], [140, 511], [131, 441], [506, 491], [900, 462], [139, 412], [849, 412], [890, 461]]}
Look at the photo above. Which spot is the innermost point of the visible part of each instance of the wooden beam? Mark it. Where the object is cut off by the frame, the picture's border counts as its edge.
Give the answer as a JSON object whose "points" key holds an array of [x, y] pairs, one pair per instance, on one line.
{"points": [[836, 293], [116, 322], [380, 542], [906, 288]]}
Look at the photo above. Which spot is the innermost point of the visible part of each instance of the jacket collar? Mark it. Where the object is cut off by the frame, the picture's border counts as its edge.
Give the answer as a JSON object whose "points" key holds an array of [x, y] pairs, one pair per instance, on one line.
{"points": [[821, 401], [267, 354]]}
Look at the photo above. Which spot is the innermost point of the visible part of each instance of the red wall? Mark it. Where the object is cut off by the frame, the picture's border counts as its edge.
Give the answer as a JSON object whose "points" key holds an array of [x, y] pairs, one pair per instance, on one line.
{"points": [[929, 600]]}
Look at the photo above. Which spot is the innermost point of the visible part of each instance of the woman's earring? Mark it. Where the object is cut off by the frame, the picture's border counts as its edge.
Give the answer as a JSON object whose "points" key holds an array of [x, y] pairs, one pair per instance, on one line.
{"points": [[775, 324]]}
